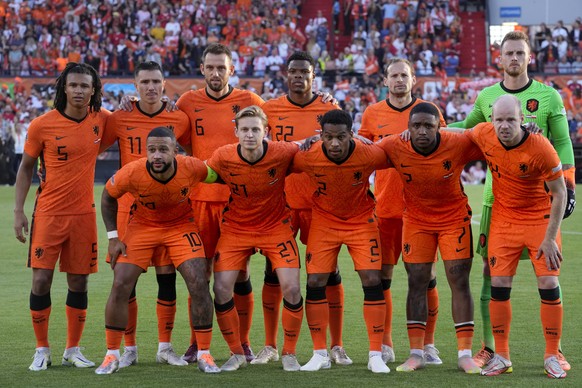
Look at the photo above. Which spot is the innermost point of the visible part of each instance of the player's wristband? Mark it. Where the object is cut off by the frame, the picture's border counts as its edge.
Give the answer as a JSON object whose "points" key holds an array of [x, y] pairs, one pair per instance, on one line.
{"points": [[112, 234], [570, 178]]}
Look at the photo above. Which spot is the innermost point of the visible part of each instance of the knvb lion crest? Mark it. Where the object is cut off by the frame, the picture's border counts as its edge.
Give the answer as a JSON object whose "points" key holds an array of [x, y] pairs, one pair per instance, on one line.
{"points": [[492, 261], [532, 105], [96, 130], [272, 172], [406, 248], [358, 175], [447, 165], [523, 167], [235, 109], [184, 191], [38, 252]]}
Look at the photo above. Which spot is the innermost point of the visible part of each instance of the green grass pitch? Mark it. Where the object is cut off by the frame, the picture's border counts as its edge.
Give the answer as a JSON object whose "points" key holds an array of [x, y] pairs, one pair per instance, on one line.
{"points": [[527, 344]]}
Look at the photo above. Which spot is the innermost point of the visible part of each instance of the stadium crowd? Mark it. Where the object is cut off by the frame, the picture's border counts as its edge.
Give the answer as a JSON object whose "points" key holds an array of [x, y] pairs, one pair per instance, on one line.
{"points": [[39, 37]]}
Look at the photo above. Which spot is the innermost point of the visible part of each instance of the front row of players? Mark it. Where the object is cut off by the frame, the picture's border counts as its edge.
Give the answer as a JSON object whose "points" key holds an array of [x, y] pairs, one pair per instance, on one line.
{"points": [[343, 213]]}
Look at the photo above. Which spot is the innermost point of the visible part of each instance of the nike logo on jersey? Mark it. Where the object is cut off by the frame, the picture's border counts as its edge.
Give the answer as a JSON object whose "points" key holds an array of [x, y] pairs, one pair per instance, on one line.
{"points": [[382, 125], [319, 175], [131, 128], [144, 196], [283, 118], [232, 174], [92, 264], [198, 110], [289, 260], [459, 250], [404, 165], [59, 137], [373, 260]]}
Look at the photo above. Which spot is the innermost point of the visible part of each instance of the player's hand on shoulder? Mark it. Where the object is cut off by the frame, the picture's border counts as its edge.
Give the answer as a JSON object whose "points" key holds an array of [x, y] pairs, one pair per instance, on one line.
{"points": [[170, 105], [532, 128], [126, 103], [116, 248], [307, 143], [327, 97], [363, 139], [552, 254], [20, 225], [405, 135]]}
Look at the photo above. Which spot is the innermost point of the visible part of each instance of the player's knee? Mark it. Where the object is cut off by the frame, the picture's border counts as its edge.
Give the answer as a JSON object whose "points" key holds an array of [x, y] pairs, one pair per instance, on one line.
{"points": [[317, 280], [78, 283], [292, 292], [370, 278]]}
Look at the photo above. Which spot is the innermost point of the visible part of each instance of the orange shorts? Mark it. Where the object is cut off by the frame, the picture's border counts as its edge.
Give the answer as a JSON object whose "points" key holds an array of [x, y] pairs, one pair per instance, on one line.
{"points": [[391, 239], [236, 245], [325, 242], [160, 258], [506, 243], [208, 216], [70, 239], [182, 242], [420, 245], [301, 221]]}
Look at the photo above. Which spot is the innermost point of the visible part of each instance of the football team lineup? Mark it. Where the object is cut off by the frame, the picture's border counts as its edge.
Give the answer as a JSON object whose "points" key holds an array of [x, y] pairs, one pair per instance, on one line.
{"points": [[204, 220]]}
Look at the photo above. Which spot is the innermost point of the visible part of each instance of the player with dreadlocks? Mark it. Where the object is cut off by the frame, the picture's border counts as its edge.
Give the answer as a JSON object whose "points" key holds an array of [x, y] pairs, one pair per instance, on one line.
{"points": [[67, 140]]}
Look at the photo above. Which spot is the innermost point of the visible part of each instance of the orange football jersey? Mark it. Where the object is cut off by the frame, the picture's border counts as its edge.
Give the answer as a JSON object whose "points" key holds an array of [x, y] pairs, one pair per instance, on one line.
{"points": [[289, 121], [131, 129], [433, 193], [343, 191], [518, 174], [158, 203], [380, 120], [68, 151], [257, 198], [212, 126]]}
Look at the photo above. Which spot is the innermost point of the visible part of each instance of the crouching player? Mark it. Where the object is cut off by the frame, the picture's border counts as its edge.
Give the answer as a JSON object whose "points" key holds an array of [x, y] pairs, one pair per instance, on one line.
{"points": [[162, 217]]}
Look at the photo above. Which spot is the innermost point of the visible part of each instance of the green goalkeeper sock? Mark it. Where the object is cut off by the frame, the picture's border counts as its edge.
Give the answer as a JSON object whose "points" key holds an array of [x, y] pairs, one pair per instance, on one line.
{"points": [[485, 298]]}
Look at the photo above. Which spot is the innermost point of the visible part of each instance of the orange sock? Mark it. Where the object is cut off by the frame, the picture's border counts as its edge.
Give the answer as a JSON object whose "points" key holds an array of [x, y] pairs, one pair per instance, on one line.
{"points": [[374, 315], [416, 332], [113, 336], [203, 336], [292, 319], [432, 296], [244, 300], [465, 331], [227, 319], [500, 312], [76, 316], [130, 330], [40, 311], [387, 340], [551, 313], [317, 312], [166, 311], [335, 300], [272, 297], [192, 330]]}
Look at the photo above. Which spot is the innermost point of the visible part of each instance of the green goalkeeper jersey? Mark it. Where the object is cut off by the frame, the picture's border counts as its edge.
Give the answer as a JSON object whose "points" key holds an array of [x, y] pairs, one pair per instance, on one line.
{"points": [[540, 103]]}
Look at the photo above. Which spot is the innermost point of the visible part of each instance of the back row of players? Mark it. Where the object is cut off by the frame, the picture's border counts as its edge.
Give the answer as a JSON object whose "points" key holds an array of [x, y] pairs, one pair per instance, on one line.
{"points": [[254, 171]]}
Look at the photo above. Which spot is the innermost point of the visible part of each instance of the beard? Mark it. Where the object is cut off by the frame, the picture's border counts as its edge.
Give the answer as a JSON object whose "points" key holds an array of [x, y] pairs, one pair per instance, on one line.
{"points": [[165, 167]]}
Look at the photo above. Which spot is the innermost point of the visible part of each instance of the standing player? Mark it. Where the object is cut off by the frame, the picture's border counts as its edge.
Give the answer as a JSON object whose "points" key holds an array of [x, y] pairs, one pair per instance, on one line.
{"points": [[257, 217], [67, 139], [130, 129], [293, 117], [162, 217], [543, 106], [343, 213], [387, 118], [211, 112], [436, 215], [524, 214]]}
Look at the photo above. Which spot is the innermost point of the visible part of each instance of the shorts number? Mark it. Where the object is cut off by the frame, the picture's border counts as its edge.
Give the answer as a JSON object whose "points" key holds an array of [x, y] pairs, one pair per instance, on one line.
{"points": [[199, 128], [285, 248], [63, 154], [374, 247], [193, 239], [284, 132], [135, 144]]}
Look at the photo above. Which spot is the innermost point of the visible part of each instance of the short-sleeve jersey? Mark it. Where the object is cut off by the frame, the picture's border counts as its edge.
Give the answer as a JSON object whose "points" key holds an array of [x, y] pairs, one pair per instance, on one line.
{"points": [[343, 191], [519, 173], [433, 193], [257, 198], [156, 202], [131, 129], [289, 121], [212, 126], [380, 120], [68, 150], [540, 104]]}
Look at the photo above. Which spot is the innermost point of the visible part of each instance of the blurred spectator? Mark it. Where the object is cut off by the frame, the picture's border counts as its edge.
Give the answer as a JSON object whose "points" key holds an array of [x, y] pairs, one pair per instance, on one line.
{"points": [[389, 9], [576, 34], [564, 67], [336, 13], [577, 65], [423, 66], [540, 36], [560, 30]]}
